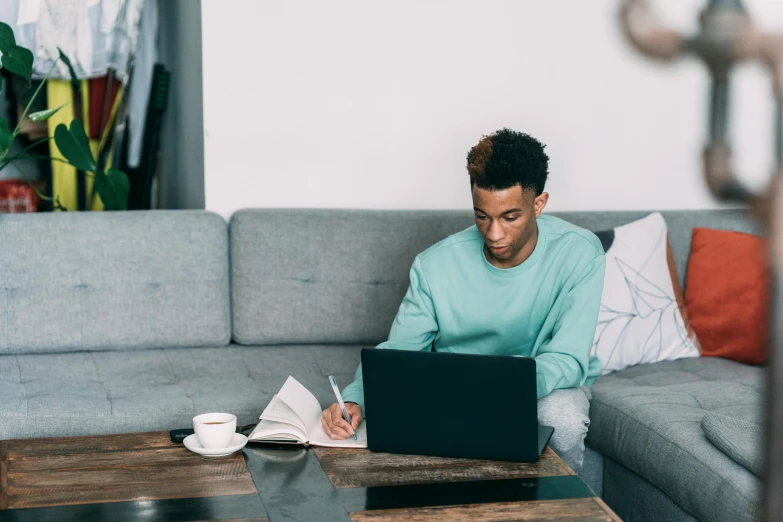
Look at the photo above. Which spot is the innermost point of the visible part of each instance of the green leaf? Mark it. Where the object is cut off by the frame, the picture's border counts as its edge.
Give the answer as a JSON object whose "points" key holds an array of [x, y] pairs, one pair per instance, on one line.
{"points": [[67, 62], [113, 188], [7, 39], [75, 146], [6, 137], [19, 61], [45, 115]]}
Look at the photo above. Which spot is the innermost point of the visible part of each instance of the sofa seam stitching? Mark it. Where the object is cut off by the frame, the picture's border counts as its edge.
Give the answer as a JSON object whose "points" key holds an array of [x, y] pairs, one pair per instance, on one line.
{"points": [[178, 380], [26, 395], [103, 384]]}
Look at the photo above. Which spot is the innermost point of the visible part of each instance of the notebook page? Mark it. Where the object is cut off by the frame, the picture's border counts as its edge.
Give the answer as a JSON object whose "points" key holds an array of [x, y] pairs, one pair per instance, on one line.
{"points": [[318, 437], [279, 411], [277, 431], [301, 401]]}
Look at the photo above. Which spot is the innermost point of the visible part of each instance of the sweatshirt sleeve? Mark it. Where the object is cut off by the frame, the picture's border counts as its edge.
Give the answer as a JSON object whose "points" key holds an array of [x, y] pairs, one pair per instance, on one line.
{"points": [[414, 328], [563, 360]]}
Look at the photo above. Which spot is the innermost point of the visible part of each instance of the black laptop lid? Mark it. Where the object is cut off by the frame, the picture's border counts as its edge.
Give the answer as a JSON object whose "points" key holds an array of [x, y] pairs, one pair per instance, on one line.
{"points": [[452, 405]]}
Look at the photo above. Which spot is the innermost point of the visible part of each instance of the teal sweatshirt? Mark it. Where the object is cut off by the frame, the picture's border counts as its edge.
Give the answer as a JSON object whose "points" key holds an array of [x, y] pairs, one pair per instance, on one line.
{"points": [[546, 307]]}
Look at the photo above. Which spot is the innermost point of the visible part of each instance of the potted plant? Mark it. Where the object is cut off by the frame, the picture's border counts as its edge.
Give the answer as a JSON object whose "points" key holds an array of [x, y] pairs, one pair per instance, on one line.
{"points": [[111, 184]]}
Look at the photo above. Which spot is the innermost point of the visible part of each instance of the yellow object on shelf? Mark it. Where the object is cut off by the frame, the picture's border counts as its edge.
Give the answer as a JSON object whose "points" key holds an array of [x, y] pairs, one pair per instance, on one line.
{"points": [[64, 184]]}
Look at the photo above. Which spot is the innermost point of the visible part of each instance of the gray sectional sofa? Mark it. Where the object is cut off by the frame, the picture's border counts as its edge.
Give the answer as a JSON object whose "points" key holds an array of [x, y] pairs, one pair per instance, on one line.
{"points": [[137, 321]]}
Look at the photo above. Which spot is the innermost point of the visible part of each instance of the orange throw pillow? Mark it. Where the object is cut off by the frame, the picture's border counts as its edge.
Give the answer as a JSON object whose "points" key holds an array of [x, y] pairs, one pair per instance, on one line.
{"points": [[727, 294]]}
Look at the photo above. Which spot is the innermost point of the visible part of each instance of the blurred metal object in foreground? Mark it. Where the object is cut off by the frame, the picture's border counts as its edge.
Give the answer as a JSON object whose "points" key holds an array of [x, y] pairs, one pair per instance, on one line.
{"points": [[727, 37]]}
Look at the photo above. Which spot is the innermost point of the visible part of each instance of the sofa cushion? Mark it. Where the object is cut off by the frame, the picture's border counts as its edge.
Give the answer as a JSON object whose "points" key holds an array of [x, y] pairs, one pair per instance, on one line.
{"points": [[728, 295], [113, 280], [326, 276], [739, 439], [92, 393], [648, 418], [641, 319]]}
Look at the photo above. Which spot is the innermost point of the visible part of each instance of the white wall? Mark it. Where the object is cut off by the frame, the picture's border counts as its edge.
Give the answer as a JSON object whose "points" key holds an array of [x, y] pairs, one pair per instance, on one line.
{"points": [[374, 104]]}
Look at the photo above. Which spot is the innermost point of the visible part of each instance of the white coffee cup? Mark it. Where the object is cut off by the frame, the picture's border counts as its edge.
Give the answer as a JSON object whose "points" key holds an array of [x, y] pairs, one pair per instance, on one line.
{"points": [[215, 430]]}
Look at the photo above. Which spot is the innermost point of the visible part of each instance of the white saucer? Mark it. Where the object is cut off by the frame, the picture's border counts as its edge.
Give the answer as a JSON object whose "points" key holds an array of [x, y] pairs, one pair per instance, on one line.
{"points": [[238, 441]]}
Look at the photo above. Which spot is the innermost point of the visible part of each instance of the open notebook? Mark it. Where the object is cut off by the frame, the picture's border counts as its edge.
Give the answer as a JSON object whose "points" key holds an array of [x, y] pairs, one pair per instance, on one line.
{"points": [[294, 416]]}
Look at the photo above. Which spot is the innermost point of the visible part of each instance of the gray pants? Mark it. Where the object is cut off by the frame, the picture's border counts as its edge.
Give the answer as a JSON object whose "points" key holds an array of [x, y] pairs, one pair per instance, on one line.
{"points": [[567, 411]]}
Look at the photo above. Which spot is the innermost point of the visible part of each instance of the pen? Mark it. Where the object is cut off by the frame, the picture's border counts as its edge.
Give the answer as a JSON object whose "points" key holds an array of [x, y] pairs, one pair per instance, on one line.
{"points": [[342, 404]]}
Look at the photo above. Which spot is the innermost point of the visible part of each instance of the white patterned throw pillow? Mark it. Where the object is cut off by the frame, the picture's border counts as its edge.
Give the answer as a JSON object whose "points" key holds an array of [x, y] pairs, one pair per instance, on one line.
{"points": [[642, 317]]}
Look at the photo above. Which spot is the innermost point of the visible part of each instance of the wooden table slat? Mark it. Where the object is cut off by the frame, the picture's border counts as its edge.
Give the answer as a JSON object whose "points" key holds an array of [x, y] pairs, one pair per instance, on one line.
{"points": [[115, 468], [348, 468], [210, 471], [583, 510], [27, 498], [3, 474], [227, 507], [91, 444], [153, 457]]}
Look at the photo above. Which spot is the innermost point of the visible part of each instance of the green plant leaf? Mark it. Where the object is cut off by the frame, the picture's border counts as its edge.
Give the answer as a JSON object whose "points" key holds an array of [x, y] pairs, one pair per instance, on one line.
{"points": [[67, 62], [75, 146], [113, 188], [45, 115], [6, 137], [7, 39], [19, 61]]}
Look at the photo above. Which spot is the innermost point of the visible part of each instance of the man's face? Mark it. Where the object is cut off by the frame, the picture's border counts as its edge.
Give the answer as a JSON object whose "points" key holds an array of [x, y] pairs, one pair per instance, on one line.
{"points": [[507, 222]]}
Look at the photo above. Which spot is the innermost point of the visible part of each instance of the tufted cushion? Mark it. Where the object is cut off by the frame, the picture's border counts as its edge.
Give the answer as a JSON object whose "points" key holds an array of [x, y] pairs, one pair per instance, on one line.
{"points": [[113, 280], [118, 392], [648, 418], [326, 276]]}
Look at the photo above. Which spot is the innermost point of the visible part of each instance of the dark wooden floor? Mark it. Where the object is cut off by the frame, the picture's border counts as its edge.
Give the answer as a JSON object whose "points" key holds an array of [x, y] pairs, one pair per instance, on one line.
{"points": [[125, 477]]}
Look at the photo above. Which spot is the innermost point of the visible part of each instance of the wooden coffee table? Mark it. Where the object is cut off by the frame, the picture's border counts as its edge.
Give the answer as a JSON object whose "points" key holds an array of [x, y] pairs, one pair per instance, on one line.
{"points": [[146, 476]]}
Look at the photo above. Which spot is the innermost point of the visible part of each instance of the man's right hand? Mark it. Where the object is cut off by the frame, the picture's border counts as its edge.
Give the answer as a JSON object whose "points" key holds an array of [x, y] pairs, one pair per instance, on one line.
{"points": [[334, 424]]}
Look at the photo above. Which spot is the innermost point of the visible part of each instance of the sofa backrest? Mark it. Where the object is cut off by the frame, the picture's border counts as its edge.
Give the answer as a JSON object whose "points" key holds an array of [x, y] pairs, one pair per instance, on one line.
{"points": [[113, 280], [338, 276], [326, 276]]}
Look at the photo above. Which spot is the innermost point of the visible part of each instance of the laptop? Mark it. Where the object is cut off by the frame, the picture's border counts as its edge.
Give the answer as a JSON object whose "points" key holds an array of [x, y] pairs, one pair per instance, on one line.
{"points": [[452, 405]]}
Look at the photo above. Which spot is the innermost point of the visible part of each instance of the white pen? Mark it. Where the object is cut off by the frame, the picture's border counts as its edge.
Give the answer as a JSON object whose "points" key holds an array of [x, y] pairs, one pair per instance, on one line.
{"points": [[342, 404]]}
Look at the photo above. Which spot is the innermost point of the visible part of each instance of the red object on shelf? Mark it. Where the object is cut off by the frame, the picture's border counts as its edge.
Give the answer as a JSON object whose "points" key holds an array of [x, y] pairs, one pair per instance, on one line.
{"points": [[17, 196], [98, 118]]}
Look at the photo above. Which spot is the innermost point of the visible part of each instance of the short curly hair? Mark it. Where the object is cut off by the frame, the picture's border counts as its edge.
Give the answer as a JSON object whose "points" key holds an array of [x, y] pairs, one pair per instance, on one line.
{"points": [[508, 158]]}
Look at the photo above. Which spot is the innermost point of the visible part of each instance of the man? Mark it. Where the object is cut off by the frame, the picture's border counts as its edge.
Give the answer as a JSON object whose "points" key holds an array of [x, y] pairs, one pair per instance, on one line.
{"points": [[517, 283]]}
